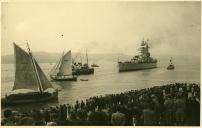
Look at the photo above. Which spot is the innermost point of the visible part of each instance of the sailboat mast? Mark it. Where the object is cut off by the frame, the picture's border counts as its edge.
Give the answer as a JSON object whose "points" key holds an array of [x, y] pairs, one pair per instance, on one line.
{"points": [[60, 62], [87, 56], [55, 67], [35, 70], [80, 57]]}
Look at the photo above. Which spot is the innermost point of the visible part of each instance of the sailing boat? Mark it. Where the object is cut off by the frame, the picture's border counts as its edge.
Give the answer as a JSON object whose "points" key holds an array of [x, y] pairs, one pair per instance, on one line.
{"points": [[83, 69], [31, 84], [171, 66], [62, 71]]}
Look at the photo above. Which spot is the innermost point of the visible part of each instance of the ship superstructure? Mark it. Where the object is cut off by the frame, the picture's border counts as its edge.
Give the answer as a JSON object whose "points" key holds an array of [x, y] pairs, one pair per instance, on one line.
{"points": [[141, 61]]}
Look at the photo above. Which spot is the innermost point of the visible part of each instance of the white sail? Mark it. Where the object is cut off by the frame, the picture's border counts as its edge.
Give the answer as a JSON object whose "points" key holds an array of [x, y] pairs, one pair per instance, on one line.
{"points": [[25, 76], [28, 73], [45, 83], [66, 64]]}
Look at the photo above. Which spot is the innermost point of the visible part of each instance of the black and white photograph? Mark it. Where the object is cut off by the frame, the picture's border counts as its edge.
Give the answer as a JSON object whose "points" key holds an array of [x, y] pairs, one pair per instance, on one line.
{"points": [[100, 63]]}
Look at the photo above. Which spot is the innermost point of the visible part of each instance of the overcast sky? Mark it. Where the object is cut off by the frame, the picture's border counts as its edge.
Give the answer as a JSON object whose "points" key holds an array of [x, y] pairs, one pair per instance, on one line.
{"points": [[102, 27]]}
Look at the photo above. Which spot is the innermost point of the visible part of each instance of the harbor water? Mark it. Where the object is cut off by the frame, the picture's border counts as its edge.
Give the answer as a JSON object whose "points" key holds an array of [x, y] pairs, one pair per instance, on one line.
{"points": [[107, 80]]}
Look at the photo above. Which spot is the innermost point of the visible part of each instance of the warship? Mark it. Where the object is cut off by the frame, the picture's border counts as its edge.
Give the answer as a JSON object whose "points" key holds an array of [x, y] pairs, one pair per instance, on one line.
{"points": [[139, 62]]}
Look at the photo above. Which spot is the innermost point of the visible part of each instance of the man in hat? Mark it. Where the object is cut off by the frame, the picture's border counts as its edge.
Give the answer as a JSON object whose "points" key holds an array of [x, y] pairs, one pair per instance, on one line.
{"points": [[8, 119], [180, 110], [118, 118], [149, 116], [168, 105]]}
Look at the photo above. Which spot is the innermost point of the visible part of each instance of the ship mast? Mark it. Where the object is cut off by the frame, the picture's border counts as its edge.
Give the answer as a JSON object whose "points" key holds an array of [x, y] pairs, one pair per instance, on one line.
{"points": [[87, 56], [35, 70], [171, 60], [60, 62], [57, 65], [81, 58]]}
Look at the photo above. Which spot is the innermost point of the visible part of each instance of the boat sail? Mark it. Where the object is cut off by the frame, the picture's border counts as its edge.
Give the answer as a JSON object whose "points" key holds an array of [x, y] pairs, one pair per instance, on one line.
{"points": [[63, 69], [66, 64], [56, 67], [25, 77], [29, 76]]}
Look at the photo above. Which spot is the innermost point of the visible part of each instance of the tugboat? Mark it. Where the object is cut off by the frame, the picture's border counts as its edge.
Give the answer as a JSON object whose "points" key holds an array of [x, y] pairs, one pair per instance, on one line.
{"points": [[31, 84], [62, 71], [171, 65], [82, 69], [139, 62]]}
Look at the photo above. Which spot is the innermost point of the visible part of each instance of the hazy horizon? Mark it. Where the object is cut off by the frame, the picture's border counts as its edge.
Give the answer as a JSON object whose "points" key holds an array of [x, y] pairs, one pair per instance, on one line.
{"points": [[153, 55], [102, 27]]}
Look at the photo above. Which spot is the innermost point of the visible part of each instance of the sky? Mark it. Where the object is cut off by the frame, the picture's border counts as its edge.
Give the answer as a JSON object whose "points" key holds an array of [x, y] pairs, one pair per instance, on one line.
{"points": [[102, 27]]}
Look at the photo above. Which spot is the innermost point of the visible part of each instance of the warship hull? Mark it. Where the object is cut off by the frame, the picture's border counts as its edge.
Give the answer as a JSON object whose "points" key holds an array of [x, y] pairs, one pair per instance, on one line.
{"points": [[130, 66]]}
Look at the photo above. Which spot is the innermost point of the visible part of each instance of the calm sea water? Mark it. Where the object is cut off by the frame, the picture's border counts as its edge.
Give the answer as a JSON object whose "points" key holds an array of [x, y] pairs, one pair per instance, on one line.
{"points": [[107, 80]]}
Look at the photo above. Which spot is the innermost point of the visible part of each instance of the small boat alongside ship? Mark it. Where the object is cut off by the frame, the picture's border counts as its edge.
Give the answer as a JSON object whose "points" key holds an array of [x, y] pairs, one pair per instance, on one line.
{"points": [[83, 79], [139, 62], [171, 65], [94, 65], [31, 84], [62, 71]]}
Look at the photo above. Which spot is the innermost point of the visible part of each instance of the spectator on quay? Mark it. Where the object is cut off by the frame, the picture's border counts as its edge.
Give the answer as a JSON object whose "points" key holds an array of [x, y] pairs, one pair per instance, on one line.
{"points": [[132, 105], [169, 110], [180, 110], [54, 118], [8, 119], [148, 116], [98, 117], [172, 93], [16, 118], [91, 116], [103, 117], [82, 104], [27, 121], [157, 108], [127, 110], [73, 117], [46, 115], [77, 105], [164, 93], [51, 124], [38, 119], [136, 111], [193, 112], [118, 118], [63, 111], [81, 118]]}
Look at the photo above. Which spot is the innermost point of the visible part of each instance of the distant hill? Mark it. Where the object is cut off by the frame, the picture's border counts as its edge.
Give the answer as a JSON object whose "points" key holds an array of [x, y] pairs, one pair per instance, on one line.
{"points": [[42, 57], [45, 57]]}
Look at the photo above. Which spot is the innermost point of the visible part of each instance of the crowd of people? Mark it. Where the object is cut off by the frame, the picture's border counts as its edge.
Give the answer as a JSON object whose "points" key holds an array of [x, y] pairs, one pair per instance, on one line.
{"points": [[175, 104]]}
